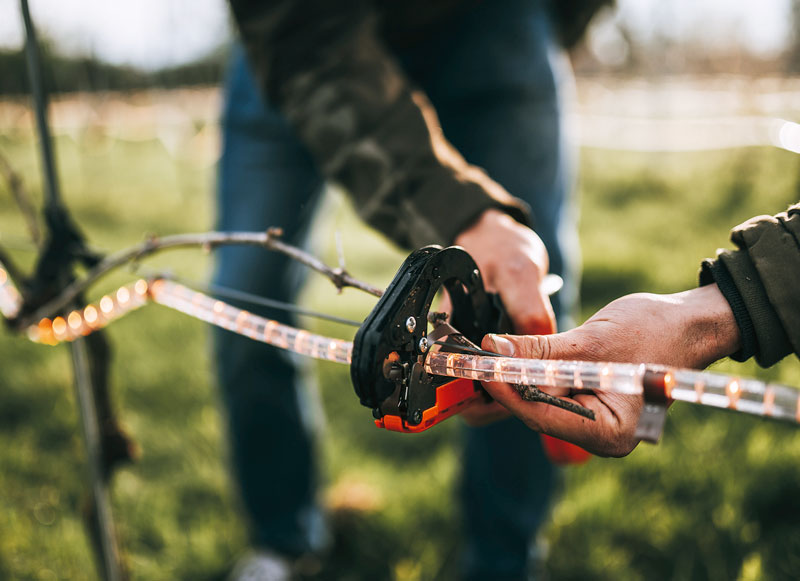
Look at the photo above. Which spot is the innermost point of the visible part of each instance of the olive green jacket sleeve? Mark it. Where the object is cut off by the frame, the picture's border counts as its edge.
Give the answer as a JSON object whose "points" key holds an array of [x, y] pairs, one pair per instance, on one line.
{"points": [[322, 64], [761, 281]]}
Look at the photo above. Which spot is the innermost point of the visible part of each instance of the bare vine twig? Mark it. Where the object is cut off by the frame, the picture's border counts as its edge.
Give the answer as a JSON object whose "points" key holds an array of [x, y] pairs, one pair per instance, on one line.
{"points": [[22, 198], [269, 240]]}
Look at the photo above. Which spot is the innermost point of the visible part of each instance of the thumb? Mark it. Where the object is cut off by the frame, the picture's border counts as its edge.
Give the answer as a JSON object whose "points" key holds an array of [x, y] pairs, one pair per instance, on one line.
{"points": [[528, 346]]}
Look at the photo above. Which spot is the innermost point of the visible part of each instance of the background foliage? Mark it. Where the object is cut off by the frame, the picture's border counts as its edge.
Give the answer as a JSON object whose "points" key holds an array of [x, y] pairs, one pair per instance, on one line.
{"points": [[717, 499]]}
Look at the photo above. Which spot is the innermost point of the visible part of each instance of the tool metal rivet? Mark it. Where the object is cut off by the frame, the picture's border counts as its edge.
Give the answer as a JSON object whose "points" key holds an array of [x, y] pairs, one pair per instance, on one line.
{"points": [[411, 324], [423, 345]]}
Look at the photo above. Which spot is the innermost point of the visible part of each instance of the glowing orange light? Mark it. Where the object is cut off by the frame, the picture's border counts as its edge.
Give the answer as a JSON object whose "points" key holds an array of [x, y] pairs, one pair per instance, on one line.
{"points": [[733, 390], [156, 286], [106, 305], [123, 295], [298, 340], [699, 387], [550, 375], [3, 276], [219, 306], [240, 320], [140, 287], [769, 401], [46, 331], [268, 329], [576, 378], [90, 314], [74, 320], [669, 383], [59, 326]]}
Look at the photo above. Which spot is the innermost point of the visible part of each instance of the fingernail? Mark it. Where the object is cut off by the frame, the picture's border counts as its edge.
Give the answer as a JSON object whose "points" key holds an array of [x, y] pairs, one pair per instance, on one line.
{"points": [[502, 345]]}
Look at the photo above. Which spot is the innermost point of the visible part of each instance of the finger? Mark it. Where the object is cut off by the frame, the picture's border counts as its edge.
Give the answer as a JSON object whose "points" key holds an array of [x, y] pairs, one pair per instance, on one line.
{"points": [[611, 433], [528, 307], [616, 416], [527, 347], [567, 345]]}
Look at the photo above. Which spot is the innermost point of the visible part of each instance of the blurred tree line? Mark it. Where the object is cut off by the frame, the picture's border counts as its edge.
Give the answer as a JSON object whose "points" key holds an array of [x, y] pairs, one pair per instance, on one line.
{"points": [[617, 46], [635, 55], [65, 73], [794, 48]]}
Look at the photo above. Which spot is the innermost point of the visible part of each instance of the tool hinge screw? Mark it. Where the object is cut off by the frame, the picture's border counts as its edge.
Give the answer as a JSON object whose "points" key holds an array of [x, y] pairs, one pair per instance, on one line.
{"points": [[411, 324], [423, 345]]}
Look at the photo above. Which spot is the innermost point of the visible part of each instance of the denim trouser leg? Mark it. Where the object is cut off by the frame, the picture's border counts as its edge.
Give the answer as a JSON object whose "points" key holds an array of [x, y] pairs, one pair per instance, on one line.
{"points": [[495, 86], [266, 178], [490, 74]]}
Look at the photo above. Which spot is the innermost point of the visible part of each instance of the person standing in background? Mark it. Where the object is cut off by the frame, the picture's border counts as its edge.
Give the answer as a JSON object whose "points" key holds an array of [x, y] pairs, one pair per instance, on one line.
{"points": [[402, 103]]}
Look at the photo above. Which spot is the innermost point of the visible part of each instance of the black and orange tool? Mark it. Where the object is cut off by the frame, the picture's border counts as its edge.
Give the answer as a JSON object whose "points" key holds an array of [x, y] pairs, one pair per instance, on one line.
{"points": [[389, 348]]}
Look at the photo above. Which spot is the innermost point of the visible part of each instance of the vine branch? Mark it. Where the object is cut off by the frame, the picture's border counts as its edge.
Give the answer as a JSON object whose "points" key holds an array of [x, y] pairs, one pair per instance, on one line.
{"points": [[22, 198], [208, 240]]}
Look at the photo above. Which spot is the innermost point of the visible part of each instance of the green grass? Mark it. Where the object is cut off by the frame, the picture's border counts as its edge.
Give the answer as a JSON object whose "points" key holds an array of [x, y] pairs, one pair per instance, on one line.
{"points": [[715, 500]]}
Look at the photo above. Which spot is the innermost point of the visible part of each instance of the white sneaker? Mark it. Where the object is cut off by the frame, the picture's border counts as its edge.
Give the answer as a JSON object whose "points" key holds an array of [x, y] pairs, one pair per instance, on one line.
{"points": [[261, 566]]}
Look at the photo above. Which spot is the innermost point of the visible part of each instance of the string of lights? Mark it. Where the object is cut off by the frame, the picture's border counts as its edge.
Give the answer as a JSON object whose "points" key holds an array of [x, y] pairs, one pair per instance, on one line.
{"points": [[216, 312], [717, 390], [701, 387], [81, 322], [10, 299]]}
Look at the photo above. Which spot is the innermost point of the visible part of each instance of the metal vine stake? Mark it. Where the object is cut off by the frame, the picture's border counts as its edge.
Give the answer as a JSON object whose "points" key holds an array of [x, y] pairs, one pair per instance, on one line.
{"points": [[64, 245]]}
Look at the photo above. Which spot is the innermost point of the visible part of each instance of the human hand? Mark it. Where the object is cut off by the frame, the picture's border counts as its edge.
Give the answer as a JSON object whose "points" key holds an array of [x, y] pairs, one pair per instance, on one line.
{"points": [[688, 329], [513, 262]]}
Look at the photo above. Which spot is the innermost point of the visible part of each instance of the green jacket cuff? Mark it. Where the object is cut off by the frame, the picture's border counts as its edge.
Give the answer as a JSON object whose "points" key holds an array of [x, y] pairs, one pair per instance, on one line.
{"points": [[772, 343], [714, 271]]}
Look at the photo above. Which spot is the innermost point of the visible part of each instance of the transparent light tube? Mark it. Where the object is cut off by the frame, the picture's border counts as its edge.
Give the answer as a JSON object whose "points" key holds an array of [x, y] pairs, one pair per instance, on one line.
{"points": [[216, 312], [81, 322], [10, 299], [705, 388]]}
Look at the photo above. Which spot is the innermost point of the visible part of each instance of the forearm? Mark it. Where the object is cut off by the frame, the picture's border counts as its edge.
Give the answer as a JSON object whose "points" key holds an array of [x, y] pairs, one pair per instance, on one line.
{"points": [[322, 64], [711, 331]]}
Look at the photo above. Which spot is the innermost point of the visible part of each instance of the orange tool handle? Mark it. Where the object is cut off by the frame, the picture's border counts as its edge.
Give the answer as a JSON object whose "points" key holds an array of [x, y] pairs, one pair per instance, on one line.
{"points": [[451, 398]]}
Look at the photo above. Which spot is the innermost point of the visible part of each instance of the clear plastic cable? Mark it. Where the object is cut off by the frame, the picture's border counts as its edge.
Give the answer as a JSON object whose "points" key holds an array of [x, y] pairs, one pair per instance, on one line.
{"points": [[705, 388], [701, 387], [80, 322], [10, 299], [258, 328]]}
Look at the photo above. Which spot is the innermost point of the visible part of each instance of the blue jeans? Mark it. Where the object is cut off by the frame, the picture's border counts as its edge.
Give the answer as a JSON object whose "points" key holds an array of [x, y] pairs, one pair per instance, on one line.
{"points": [[492, 75]]}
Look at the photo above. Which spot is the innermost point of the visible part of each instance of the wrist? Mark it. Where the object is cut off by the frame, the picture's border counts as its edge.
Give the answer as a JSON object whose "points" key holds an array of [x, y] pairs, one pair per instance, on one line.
{"points": [[488, 219], [712, 327]]}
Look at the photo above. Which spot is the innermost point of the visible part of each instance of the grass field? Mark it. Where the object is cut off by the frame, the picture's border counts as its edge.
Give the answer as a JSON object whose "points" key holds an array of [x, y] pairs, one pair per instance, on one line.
{"points": [[717, 499]]}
